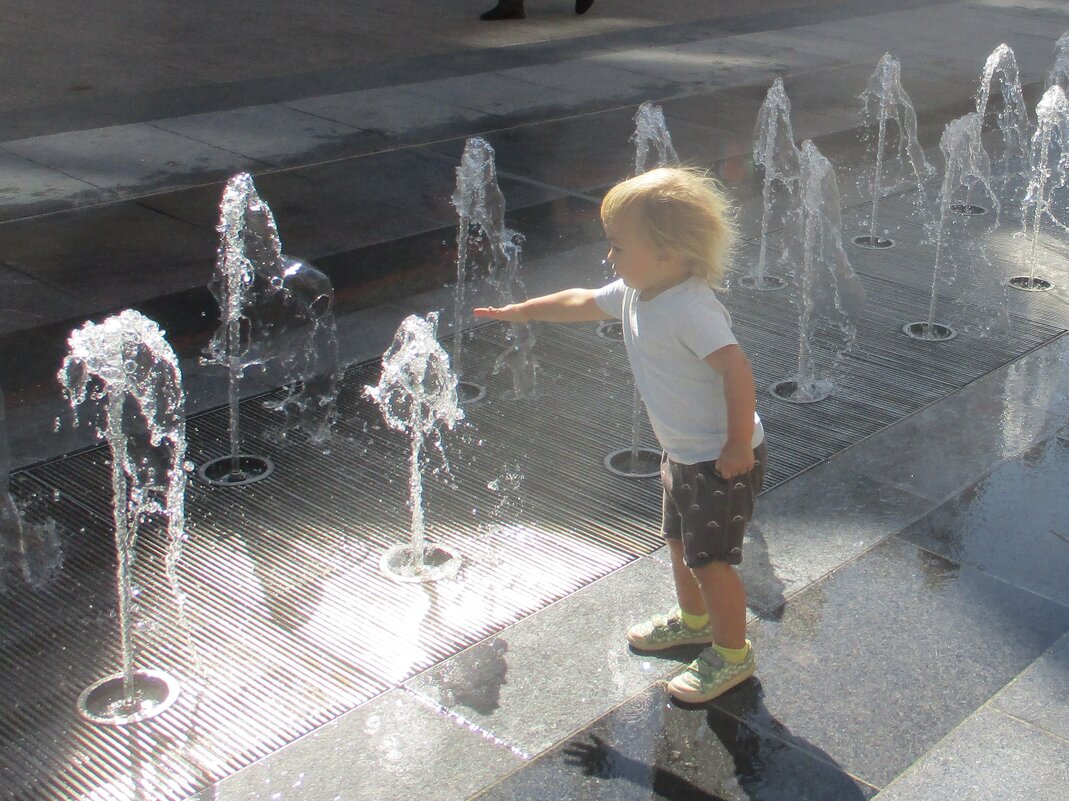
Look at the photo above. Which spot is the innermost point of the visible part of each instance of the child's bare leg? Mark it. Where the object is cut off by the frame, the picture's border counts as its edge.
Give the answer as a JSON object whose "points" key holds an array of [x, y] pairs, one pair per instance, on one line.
{"points": [[688, 592], [724, 596]]}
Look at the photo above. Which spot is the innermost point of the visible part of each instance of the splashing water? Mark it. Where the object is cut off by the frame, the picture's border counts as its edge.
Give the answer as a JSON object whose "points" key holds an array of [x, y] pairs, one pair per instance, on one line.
{"points": [[1013, 122], [966, 164], [518, 357], [1059, 73], [828, 289], [480, 203], [775, 151], [1048, 172], [417, 393], [30, 550], [125, 363], [276, 315], [652, 129], [885, 100]]}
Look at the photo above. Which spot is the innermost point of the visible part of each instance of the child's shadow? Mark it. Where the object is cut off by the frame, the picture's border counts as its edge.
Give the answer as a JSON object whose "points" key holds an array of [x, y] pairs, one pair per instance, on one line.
{"points": [[771, 765]]}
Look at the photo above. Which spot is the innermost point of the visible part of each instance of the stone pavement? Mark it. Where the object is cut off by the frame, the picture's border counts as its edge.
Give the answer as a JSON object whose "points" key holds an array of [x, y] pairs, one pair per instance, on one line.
{"points": [[920, 648]]}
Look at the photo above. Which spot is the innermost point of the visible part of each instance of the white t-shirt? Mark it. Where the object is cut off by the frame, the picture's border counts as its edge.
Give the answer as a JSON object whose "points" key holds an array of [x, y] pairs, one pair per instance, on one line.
{"points": [[667, 340]]}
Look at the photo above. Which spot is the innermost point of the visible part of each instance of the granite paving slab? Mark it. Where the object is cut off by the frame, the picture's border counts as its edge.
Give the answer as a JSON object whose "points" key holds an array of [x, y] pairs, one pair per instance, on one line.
{"points": [[1010, 524], [339, 206], [730, 111], [131, 158], [273, 134], [990, 756], [392, 747], [561, 152], [29, 188], [110, 256], [390, 111], [650, 748], [539, 681], [807, 527], [592, 85], [26, 302], [1039, 695], [979, 429], [495, 94], [875, 663]]}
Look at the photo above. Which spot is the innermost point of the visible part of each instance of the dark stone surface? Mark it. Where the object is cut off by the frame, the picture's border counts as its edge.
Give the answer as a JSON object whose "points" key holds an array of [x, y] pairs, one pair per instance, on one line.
{"points": [[878, 661], [972, 764], [652, 748], [1040, 695], [1011, 524]]}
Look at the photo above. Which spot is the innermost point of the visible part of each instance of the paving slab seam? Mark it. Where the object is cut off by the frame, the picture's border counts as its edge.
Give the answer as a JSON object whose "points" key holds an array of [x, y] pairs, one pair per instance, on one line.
{"points": [[963, 724], [531, 758], [460, 720], [1029, 723], [987, 573]]}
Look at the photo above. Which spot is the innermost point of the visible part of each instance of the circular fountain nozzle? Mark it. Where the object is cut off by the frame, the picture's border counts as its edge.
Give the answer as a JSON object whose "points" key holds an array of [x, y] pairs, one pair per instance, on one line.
{"points": [[873, 242], [1027, 283], [611, 329], [223, 471], [107, 703], [637, 463], [767, 283], [929, 332], [801, 391], [439, 563], [967, 209], [470, 392]]}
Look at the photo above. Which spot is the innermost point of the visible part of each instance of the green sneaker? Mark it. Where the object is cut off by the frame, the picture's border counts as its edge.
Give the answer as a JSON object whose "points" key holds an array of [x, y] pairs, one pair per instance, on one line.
{"points": [[667, 631], [709, 676]]}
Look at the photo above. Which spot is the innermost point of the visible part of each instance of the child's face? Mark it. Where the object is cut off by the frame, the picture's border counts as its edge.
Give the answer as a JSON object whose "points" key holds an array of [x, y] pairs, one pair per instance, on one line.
{"points": [[635, 260]]}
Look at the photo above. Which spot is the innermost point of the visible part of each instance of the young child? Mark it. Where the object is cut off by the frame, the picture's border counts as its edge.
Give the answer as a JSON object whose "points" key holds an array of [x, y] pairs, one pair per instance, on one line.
{"points": [[669, 238]]}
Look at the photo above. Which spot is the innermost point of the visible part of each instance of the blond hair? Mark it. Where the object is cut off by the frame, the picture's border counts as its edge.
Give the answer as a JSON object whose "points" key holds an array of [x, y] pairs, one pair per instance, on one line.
{"points": [[681, 209]]}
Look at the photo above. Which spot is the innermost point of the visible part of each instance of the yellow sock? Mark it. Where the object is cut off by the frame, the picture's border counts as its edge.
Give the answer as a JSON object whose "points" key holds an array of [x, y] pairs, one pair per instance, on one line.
{"points": [[733, 655], [693, 621]]}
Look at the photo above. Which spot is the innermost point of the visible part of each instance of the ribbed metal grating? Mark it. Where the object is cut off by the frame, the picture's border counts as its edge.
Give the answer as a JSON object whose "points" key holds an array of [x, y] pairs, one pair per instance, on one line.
{"points": [[291, 618]]}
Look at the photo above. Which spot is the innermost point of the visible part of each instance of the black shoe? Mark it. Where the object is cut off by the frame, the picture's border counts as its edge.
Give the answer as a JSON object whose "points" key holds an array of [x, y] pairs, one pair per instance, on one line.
{"points": [[583, 6], [508, 9]]}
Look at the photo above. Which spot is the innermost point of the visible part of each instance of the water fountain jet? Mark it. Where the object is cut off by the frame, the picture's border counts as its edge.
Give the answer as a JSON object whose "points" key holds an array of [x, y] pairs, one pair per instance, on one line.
{"points": [[1048, 172], [966, 164], [1059, 73], [1013, 122], [127, 364], [828, 290], [637, 461], [885, 100], [775, 151], [30, 550], [277, 316], [417, 393]]}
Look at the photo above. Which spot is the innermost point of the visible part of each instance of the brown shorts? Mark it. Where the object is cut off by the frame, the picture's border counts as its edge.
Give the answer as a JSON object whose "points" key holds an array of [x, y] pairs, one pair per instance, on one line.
{"points": [[709, 513]]}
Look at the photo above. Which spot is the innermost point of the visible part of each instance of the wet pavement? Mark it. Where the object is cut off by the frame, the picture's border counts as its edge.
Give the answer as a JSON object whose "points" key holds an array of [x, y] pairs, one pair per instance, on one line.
{"points": [[906, 575]]}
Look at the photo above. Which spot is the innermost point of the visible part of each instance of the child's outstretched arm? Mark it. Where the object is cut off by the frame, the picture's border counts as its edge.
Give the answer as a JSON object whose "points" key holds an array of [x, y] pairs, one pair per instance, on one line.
{"points": [[566, 306]]}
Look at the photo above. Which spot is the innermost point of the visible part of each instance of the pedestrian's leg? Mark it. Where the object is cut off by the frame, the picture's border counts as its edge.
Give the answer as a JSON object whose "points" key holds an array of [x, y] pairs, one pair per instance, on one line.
{"points": [[688, 591], [724, 596]]}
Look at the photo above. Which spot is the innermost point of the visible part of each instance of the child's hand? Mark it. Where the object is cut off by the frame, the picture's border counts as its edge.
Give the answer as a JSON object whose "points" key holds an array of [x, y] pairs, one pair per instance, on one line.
{"points": [[736, 459], [513, 313]]}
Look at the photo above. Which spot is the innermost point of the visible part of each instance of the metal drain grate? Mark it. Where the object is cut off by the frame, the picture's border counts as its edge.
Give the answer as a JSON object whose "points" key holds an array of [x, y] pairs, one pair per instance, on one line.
{"points": [[291, 619]]}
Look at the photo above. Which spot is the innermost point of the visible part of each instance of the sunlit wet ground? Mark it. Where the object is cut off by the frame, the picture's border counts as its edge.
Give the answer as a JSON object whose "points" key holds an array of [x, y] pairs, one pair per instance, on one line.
{"points": [[906, 570]]}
